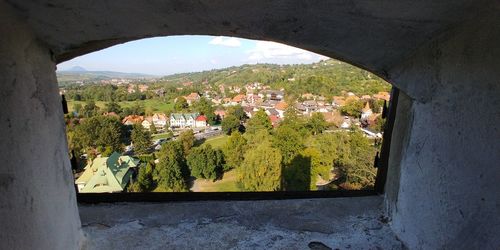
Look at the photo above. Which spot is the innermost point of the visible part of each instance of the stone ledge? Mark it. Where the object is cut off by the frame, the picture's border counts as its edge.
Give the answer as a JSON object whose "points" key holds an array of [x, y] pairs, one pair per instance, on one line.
{"points": [[339, 223]]}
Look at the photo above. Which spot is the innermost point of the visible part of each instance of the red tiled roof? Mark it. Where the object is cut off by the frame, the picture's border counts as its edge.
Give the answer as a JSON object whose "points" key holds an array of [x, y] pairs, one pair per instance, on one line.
{"points": [[201, 118], [239, 98], [281, 105]]}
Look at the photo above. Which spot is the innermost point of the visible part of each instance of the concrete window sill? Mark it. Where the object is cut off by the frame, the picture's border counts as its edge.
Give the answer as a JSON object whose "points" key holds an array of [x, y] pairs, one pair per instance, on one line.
{"points": [[338, 223]]}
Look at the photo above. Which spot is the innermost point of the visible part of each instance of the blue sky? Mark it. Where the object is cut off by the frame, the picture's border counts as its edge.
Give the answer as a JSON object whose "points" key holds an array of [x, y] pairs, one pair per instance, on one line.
{"points": [[177, 54]]}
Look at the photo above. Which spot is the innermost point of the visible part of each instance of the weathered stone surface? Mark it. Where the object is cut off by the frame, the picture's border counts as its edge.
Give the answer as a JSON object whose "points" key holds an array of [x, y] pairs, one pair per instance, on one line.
{"points": [[446, 154], [340, 223], [371, 34], [37, 199]]}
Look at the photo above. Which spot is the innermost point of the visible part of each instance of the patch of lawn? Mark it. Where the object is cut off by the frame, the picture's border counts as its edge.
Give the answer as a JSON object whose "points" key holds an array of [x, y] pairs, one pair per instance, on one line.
{"points": [[229, 183], [217, 141]]}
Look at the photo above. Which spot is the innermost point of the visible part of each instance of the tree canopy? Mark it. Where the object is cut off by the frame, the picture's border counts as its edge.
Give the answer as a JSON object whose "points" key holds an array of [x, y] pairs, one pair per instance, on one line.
{"points": [[261, 169], [186, 138], [234, 150], [259, 121], [172, 172], [141, 139], [181, 104], [317, 123], [98, 132], [230, 124], [206, 162]]}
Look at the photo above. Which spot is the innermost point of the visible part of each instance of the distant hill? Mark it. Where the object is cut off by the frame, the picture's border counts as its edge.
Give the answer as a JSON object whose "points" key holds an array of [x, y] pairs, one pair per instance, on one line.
{"points": [[78, 73], [326, 77], [76, 69]]}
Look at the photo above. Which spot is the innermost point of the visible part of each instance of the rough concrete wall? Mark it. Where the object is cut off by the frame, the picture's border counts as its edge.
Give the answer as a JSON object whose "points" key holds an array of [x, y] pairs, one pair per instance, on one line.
{"points": [[372, 34], [37, 199], [448, 194]]}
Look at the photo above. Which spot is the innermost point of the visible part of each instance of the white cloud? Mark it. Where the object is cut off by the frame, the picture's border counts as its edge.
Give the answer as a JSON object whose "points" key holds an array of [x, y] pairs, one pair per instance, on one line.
{"points": [[226, 41], [270, 50]]}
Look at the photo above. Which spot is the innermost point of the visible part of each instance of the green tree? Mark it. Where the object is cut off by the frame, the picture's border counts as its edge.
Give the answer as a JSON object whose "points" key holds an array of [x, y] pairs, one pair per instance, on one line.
{"points": [[144, 182], [234, 150], [141, 139], [289, 142], [186, 138], [97, 132], [172, 172], [317, 123], [355, 161], [152, 129], [238, 112], [259, 121], [204, 107], [352, 108], [181, 104], [297, 174], [205, 162], [261, 169], [319, 168], [113, 107], [230, 124], [90, 109]]}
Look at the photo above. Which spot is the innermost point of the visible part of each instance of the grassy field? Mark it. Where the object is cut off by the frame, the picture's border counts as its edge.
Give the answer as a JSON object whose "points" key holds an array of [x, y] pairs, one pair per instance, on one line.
{"points": [[217, 141], [227, 184], [152, 105]]}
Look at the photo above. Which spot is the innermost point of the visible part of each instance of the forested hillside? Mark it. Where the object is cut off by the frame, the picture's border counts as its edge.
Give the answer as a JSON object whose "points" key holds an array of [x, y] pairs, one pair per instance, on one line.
{"points": [[328, 77]]}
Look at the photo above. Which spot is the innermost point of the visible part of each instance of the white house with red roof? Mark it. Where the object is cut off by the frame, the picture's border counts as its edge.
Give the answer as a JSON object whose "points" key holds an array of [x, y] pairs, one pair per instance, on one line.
{"points": [[201, 121]]}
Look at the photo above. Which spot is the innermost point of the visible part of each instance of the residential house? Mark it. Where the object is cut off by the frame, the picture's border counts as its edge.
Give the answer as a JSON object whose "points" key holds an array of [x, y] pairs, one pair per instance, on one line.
{"points": [[253, 98], [107, 174], [143, 88], [160, 120], [216, 100], [269, 104], [272, 111], [238, 99], [275, 95], [191, 98], [249, 111], [131, 88], [307, 96], [382, 96], [281, 108], [366, 111], [147, 122], [183, 120], [333, 117], [338, 101], [220, 113], [274, 120], [346, 124], [301, 108], [201, 121], [132, 119]]}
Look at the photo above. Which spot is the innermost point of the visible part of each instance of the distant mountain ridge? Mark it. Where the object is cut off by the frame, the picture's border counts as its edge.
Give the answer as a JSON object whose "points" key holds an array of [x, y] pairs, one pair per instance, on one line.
{"points": [[75, 69], [78, 73]]}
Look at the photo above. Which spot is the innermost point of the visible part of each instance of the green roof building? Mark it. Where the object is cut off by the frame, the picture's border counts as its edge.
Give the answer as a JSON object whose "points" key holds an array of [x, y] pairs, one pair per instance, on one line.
{"points": [[107, 174]]}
